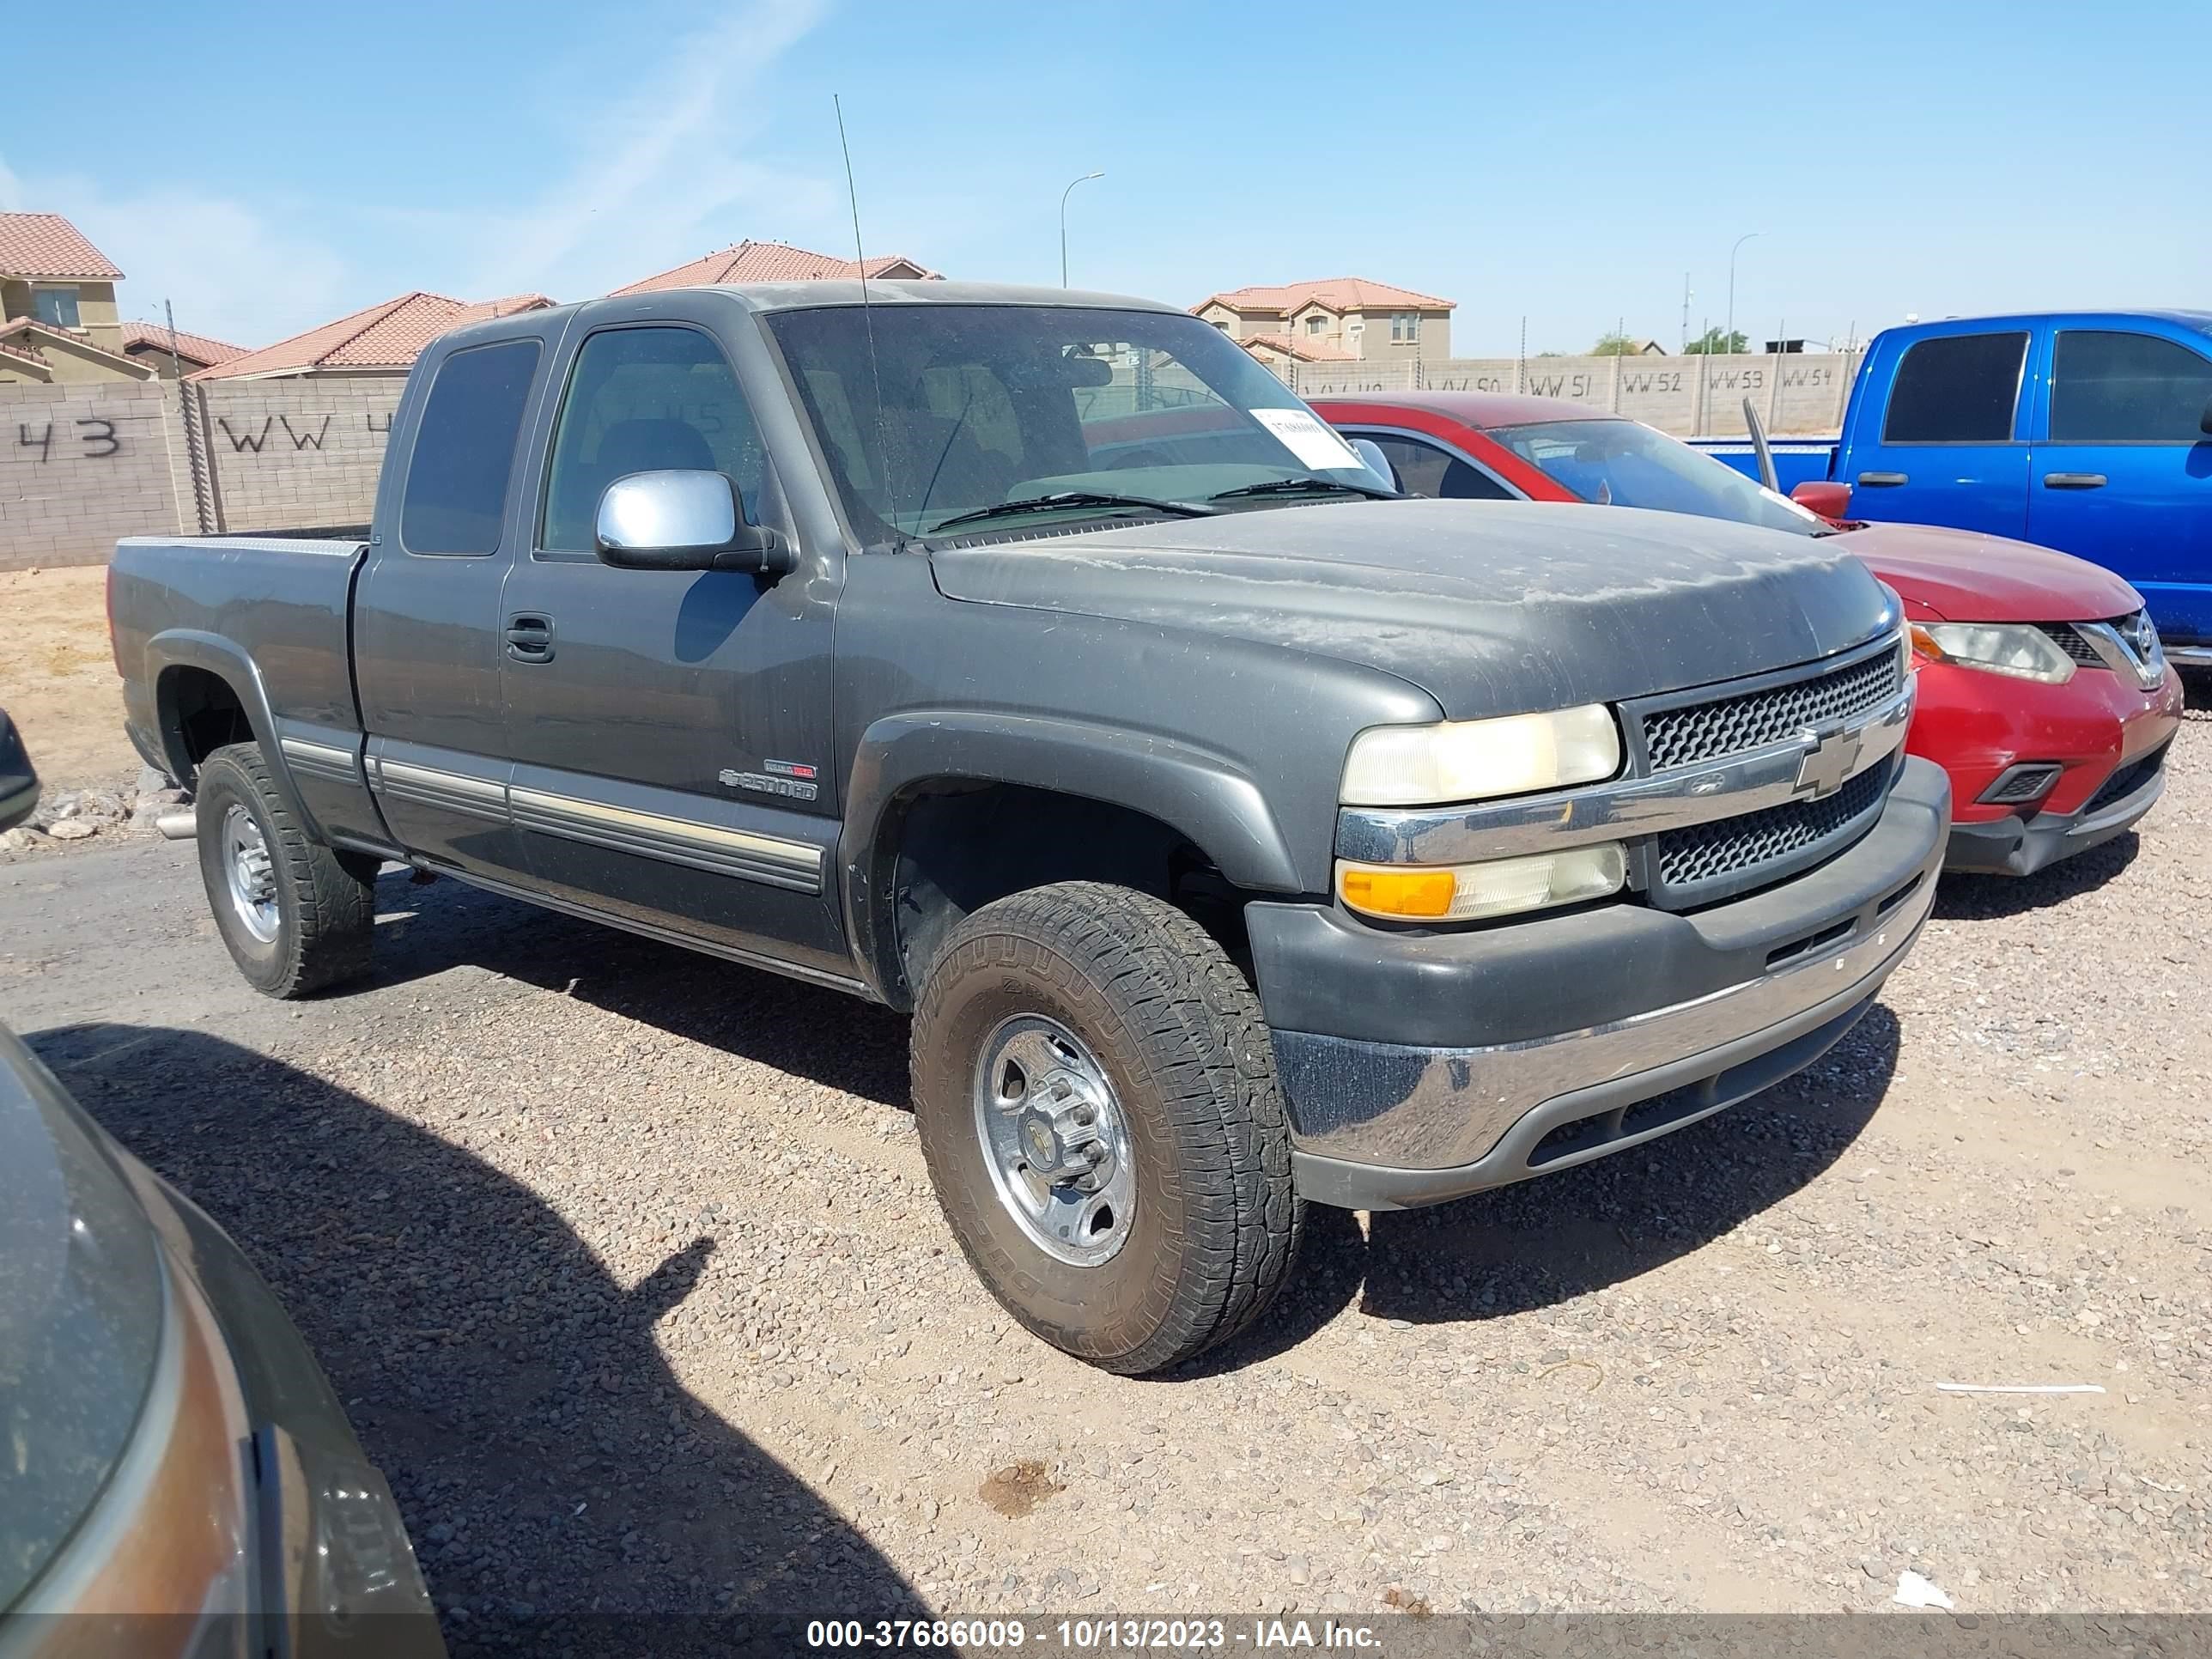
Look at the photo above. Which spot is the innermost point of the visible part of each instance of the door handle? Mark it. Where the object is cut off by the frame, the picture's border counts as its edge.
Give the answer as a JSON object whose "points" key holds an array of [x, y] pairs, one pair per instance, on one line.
{"points": [[1883, 480], [2073, 481], [530, 637]]}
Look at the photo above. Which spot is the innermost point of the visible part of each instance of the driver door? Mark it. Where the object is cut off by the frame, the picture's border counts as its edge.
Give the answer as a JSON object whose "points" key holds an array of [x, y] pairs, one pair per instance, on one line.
{"points": [[670, 730]]}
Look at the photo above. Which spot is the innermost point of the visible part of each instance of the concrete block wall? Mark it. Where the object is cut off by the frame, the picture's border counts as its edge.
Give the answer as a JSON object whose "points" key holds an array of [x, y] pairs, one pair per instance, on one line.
{"points": [[1795, 394], [80, 465], [290, 453]]}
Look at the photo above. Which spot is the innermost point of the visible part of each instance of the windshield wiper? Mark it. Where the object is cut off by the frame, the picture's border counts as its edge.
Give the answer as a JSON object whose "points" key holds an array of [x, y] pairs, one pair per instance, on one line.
{"points": [[1072, 498], [1295, 486]]}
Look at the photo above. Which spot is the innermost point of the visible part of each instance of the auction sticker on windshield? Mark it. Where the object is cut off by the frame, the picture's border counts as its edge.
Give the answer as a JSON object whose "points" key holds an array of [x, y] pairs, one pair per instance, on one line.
{"points": [[1305, 437]]}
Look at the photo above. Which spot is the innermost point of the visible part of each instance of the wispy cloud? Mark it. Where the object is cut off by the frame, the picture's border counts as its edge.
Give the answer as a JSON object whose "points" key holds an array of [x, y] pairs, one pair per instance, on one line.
{"points": [[660, 173], [228, 268]]}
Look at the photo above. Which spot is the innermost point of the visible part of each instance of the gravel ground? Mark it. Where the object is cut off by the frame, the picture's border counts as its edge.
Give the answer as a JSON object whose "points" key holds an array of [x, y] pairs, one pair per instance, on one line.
{"points": [[626, 1264]]}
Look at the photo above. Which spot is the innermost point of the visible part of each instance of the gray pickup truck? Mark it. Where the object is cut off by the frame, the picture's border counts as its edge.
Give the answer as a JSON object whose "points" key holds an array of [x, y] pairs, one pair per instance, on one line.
{"points": [[1239, 835]]}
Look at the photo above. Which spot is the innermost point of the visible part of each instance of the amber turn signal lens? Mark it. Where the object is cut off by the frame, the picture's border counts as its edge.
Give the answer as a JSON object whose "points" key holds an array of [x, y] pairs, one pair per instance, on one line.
{"points": [[1419, 893]]}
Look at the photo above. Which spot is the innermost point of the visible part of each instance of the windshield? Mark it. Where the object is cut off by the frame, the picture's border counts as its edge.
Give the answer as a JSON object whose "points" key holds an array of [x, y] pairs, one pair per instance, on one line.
{"points": [[984, 404], [79, 1318], [1622, 464]]}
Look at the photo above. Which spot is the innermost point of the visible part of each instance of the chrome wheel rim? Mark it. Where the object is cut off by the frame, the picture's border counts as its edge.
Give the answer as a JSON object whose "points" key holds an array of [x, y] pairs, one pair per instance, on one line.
{"points": [[1056, 1140], [250, 875]]}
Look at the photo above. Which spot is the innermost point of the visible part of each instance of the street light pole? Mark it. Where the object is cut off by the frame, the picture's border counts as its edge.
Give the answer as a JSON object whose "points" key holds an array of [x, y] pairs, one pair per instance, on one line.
{"points": [[1063, 221], [1728, 338]]}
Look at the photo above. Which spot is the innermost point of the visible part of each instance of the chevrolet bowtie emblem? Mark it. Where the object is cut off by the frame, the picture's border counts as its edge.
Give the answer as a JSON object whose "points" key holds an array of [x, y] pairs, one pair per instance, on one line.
{"points": [[1828, 763]]}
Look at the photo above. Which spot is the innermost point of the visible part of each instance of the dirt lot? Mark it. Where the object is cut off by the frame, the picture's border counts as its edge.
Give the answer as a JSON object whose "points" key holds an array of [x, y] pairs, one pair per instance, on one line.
{"points": [[58, 681], [626, 1264]]}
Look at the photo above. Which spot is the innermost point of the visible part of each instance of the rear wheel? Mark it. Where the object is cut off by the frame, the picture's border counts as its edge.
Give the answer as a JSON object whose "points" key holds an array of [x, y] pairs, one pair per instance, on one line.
{"points": [[295, 915], [1096, 1095]]}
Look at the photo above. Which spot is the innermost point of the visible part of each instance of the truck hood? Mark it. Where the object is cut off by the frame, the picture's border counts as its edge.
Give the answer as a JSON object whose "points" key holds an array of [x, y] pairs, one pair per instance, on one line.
{"points": [[1959, 575], [1491, 607]]}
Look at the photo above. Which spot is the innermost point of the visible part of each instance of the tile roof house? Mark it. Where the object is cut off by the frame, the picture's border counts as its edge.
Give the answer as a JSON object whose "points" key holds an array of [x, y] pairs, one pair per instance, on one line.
{"points": [[149, 343], [1274, 350], [1360, 319], [775, 262], [382, 339], [51, 275], [32, 353]]}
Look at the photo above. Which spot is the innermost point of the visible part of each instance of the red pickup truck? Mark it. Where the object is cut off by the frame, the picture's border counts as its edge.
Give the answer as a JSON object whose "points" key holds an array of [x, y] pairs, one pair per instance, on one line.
{"points": [[2044, 692]]}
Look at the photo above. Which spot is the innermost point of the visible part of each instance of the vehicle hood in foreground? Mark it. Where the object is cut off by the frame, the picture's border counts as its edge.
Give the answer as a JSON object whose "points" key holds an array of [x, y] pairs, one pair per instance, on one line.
{"points": [[1964, 576], [1493, 607]]}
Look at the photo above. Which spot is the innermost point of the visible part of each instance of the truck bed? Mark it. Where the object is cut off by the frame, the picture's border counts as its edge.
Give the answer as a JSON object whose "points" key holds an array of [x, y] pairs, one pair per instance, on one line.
{"points": [[180, 603]]}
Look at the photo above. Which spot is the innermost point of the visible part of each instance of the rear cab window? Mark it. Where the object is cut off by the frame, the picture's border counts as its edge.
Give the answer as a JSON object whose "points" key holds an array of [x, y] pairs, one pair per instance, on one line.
{"points": [[463, 461], [1957, 389], [2112, 386]]}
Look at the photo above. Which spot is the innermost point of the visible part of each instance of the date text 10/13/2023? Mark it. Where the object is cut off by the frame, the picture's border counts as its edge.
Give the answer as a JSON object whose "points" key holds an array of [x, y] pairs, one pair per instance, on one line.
{"points": [[1081, 1636]]}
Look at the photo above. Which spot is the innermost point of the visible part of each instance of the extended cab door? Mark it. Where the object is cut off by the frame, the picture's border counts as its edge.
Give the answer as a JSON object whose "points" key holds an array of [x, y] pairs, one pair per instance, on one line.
{"points": [[2124, 476], [427, 623], [671, 735], [1948, 446]]}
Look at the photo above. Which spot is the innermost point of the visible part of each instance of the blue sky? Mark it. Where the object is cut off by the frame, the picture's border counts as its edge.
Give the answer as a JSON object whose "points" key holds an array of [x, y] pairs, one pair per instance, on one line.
{"points": [[1567, 163]]}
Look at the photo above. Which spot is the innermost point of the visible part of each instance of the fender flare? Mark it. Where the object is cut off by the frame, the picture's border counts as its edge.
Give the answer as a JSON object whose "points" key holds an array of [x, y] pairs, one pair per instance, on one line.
{"points": [[192, 647], [1203, 796]]}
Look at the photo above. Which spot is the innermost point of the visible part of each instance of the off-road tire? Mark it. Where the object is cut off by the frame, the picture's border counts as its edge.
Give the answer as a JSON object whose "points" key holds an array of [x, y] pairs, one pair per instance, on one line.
{"points": [[1180, 1035], [326, 900]]}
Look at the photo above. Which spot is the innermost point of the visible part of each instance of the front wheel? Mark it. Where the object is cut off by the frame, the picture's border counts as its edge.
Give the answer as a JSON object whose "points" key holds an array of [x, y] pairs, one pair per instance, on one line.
{"points": [[1096, 1095], [295, 915]]}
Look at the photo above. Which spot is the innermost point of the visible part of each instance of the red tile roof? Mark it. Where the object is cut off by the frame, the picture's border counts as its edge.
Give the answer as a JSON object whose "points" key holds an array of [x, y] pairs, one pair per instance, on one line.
{"points": [[1307, 351], [29, 332], [389, 335], [1339, 294], [192, 348], [47, 245], [767, 262]]}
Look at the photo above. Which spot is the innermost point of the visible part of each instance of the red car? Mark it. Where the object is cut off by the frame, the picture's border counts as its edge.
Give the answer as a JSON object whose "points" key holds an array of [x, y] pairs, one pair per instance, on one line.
{"points": [[2044, 692]]}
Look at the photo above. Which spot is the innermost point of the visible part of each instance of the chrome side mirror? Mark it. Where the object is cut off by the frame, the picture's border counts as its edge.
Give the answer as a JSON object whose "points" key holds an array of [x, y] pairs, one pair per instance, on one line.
{"points": [[683, 520]]}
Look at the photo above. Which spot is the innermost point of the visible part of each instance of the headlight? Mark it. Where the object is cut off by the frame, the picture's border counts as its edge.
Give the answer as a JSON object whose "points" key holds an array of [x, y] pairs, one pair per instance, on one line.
{"points": [[1469, 893], [1477, 760], [2025, 652]]}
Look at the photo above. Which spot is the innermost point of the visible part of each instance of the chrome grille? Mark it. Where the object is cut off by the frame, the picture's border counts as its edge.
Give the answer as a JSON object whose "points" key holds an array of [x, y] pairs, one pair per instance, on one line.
{"points": [[1707, 854], [1696, 733]]}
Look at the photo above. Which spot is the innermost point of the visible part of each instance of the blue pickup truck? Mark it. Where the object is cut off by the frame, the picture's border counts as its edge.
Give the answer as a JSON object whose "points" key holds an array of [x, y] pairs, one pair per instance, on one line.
{"points": [[2090, 432]]}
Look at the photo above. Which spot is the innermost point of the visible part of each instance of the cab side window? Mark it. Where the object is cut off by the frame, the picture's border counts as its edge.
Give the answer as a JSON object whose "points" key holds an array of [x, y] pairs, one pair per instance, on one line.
{"points": [[464, 453], [1425, 469], [2110, 387], [646, 400], [1956, 389]]}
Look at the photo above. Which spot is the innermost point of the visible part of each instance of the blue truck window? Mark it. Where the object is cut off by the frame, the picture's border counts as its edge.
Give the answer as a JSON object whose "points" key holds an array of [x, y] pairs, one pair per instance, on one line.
{"points": [[1956, 389], [644, 400], [464, 454], [2110, 387]]}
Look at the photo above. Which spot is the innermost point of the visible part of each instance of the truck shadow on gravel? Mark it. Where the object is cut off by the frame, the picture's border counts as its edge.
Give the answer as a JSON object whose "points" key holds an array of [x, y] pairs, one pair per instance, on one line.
{"points": [[1558, 1236], [1520, 1247], [564, 1492], [806, 1030]]}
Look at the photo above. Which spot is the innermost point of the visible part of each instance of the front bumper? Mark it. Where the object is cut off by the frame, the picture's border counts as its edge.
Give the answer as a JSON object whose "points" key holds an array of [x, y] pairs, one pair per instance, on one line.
{"points": [[2015, 846], [1978, 726], [1419, 1068]]}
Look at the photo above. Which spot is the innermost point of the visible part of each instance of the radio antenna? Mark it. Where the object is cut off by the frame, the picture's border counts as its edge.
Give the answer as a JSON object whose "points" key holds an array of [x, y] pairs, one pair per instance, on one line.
{"points": [[868, 321]]}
